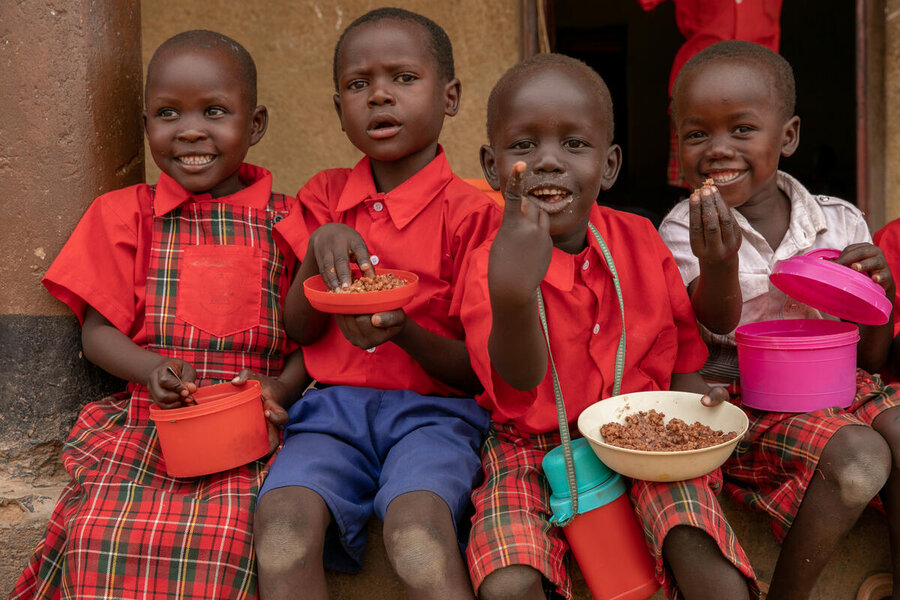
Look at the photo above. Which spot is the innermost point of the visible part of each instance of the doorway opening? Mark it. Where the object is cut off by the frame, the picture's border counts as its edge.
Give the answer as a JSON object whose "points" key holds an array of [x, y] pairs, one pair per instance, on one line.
{"points": [[633, 51]]}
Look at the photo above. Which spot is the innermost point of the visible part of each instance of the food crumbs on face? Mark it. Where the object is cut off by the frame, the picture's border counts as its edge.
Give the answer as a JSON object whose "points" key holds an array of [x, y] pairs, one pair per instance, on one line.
{"points": [[646, 430], [379, 283]]}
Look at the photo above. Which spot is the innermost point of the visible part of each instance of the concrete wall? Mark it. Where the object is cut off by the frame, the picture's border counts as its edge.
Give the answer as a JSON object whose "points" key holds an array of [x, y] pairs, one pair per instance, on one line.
{"points": [[293, 42]]}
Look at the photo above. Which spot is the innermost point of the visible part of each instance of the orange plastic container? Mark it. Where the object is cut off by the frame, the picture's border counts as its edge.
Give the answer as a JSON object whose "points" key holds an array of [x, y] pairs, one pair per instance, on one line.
{"points": [[224, 430]]}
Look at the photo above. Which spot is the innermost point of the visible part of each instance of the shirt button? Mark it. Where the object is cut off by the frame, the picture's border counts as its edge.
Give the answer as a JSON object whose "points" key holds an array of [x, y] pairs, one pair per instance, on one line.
{"points": [[584, 267], [374, 260], [738, 1], [370, 350], [378, 206], [596, 328]]}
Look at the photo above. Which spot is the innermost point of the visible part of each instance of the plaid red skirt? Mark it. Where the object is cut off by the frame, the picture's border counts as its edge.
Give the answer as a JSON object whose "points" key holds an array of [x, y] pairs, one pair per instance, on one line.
{"points": [[123, 529], [773, 465], [511, 524]]}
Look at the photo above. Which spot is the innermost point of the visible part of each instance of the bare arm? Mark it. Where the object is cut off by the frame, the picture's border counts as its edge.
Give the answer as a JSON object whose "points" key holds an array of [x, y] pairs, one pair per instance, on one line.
{"points": [[518, 262], [715, 240], [117, 354]]}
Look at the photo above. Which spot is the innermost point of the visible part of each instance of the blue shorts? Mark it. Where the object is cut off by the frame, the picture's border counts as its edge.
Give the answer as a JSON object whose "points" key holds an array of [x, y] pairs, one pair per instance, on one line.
{"points": [[359, 448]]}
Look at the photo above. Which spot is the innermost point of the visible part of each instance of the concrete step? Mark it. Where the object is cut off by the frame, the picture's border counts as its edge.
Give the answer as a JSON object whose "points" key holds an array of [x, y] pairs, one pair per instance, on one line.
{"points": [[25, 510]]}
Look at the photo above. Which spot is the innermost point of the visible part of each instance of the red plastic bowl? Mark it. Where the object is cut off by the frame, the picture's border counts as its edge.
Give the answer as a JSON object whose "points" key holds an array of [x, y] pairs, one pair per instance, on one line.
{"points": [[224, 430], [361, 303]]}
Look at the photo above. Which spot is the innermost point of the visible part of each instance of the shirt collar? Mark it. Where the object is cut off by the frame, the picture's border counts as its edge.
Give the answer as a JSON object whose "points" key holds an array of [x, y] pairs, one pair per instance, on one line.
{"points": [[561, 273], [404, 202], [258, 181], [807, 219]]}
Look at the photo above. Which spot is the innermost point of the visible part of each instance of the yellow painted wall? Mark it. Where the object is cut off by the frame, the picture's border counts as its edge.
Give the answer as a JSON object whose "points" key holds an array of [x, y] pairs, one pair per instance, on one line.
{"points": [[293, 42]]}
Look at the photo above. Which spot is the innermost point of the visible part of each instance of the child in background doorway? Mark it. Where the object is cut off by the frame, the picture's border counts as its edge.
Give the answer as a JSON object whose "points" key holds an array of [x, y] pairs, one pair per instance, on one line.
{"points": [[393, 429], [733, 106], [550, 126], [145, 271]]}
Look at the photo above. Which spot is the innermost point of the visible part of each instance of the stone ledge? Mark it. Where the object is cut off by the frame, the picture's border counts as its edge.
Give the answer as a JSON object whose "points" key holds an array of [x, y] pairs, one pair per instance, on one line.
{"points": [[25, 510]]}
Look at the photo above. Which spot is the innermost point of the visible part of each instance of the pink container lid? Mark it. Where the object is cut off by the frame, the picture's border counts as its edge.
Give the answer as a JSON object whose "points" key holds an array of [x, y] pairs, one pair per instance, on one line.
{"points": [[832, 288]]}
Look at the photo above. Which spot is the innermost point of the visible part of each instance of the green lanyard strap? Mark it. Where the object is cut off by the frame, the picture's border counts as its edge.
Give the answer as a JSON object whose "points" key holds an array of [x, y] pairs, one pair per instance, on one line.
{"points": [[565, 437]]}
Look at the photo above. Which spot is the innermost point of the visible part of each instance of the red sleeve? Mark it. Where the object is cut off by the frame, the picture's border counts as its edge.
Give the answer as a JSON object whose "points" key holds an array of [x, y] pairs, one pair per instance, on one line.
{"points": [[290, 233], [888, 239], [476, 228], [98, 264], [692, 351], [311, 210]]}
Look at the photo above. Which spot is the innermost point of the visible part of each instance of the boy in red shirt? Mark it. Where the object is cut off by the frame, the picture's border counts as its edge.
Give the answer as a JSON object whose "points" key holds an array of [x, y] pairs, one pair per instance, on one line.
{"points": [[550, 124], [389, 431], [184, 275]]}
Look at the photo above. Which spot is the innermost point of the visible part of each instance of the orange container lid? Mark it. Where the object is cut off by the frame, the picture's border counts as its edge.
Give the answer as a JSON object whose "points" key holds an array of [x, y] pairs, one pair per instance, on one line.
{"points": [[210, 399]]}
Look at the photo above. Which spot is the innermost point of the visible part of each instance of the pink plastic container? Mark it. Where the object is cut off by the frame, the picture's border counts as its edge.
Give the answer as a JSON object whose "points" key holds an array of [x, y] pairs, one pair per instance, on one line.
{"points": [[797, 365]]}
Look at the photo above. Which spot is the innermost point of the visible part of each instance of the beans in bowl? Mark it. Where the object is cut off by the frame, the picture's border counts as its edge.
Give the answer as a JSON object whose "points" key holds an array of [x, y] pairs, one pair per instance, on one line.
{"points": [[647, 430], [385, 281]]}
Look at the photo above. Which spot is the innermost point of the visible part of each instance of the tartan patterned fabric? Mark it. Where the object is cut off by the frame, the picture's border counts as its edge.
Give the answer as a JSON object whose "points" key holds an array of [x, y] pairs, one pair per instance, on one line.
{"points": [[122, 528], [511, 524], [662, 506], [775, 462], [512, 510]]}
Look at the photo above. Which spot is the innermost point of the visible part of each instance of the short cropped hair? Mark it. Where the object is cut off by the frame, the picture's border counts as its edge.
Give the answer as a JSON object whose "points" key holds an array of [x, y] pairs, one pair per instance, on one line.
{"points": [[541, 62], [754, 55], [210, 40], [438, 41]]}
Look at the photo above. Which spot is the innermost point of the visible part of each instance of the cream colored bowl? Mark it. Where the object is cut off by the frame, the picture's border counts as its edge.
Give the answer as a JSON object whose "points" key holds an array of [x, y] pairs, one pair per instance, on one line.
{"points": [[662, 466]]}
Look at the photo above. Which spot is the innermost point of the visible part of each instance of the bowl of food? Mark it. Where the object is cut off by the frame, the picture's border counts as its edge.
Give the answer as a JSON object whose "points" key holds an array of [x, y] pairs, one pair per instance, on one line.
{"points": [[390, 289], [662, 436]]}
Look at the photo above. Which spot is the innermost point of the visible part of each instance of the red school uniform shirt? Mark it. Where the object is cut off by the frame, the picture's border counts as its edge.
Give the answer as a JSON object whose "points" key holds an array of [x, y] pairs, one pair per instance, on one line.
{"points": [[705, 22], [426, 225], [104, 263], [584, 321]]}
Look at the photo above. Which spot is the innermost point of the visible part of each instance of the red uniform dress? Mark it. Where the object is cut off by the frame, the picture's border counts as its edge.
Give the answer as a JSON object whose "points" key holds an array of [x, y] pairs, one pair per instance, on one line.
{"points": [[427, 225], [705, 22], [512, 507], [185, 276]]}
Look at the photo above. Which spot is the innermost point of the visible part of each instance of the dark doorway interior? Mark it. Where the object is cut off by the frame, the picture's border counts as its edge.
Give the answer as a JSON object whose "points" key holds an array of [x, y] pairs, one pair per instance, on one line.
{"points": [[633, 51]]}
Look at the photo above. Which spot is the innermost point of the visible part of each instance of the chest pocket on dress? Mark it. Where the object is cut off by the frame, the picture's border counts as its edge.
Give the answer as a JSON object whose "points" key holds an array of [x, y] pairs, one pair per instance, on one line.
{"points": [[220, 288]]}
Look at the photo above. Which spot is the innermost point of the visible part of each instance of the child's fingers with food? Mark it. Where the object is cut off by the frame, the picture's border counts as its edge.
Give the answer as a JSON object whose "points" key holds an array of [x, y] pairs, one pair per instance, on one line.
{"points": [[335, 247], [515, 189]]}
